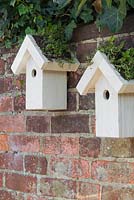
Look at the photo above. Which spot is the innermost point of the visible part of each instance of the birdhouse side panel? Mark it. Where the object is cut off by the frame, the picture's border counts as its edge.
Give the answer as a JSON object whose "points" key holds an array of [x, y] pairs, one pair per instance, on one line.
{"points": [[34, 86], [106, 100], [126, 115], [54, 90]]}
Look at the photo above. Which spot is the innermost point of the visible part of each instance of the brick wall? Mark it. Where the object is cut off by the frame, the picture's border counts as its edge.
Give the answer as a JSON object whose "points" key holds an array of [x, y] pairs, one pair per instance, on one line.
{"points": [[55, 155]]}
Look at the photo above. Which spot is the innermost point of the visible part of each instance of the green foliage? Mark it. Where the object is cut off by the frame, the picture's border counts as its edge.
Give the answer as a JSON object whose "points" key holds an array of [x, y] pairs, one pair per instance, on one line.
{"points": [[55, 20], [120, 57]]}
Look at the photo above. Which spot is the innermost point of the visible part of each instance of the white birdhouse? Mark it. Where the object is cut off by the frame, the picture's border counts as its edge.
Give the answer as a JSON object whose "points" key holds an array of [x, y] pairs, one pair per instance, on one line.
{"points": [[114, 98], [46, 81]]}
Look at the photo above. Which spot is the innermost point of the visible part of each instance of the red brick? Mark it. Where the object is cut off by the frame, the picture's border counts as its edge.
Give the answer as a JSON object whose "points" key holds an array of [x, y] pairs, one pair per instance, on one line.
{"points": [[2, 67], [1, 179], [58, 188], [85, 50], [4, 143], [33, 197], [74, 168], [90, 31], [21, 183], [1, 85], [24, 143], [12, 123], [71, 101], [69, 146], [89, 147], [87, 102], [19, 103], [113, 193], [93, 125], [107, 171], [14, 83], [88, 191], [50, 145], [11, 161], [78, 123], [40, 124], [9, 62], [5, 195], [74, 77], [6, 104], [36, 164]]}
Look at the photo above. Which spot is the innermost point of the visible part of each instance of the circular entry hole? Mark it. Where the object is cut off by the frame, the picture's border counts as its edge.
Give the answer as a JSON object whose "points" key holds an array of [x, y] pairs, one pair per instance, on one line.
{"points": [[34, 73], [106, 94]]}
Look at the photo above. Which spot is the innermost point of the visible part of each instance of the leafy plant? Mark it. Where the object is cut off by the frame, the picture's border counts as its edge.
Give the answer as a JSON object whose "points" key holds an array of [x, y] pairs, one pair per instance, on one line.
{"points": [[119, 56], [55, 20]]}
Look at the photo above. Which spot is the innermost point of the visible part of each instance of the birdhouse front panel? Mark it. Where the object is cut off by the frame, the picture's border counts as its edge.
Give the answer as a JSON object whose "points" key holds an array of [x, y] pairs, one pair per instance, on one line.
{"points": [[106, 103], [55, 90], [34, 85]]}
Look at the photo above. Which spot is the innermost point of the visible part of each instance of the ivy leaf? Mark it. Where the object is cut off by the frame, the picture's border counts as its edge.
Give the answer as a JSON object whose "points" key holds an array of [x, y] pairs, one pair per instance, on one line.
{"points": [[131, 3], [30, 31], [111, 18], [12, 2], [22, 9], [8, 44], [123, 8], [109, 3], [69, 29], [86, 15]]}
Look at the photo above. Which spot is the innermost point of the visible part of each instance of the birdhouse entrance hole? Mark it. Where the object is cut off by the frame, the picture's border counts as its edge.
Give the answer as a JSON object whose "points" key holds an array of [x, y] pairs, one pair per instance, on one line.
{"points": [[106, 94], [34, 73]]}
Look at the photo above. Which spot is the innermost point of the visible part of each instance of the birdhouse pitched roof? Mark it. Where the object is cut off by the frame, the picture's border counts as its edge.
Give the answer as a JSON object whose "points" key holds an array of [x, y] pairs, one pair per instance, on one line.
{"points": [[30, 49], [102, 66]]}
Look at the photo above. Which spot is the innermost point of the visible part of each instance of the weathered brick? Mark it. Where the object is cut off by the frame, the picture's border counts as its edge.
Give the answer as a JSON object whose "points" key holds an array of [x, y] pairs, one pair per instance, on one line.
{"points": [[89, 147], [4, 143], [33, 197], [88, 191], [6, 104], [2, 67], [71, 101], [78, 123], [5, 195], [24, 143], [90, 31], [19, 103], [113, 193], [36, 164], [21, 183], [11, 161], [87, 102], [74, 168], [121, 172], [9, 62], [40, 124], [69, 146], [1, 179], [117, 147], [1, 85], [85, 50], [51, 145], [74, 77], [93, 124], [12, 123], [58, 188], [14, 83]]}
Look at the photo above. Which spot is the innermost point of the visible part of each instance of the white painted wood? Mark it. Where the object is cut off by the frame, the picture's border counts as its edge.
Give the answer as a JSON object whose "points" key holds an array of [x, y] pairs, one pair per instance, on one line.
{"points": [[54, 90], [126, 115], [29, 48], [34, 87], [63, 66], [106, 110]]}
